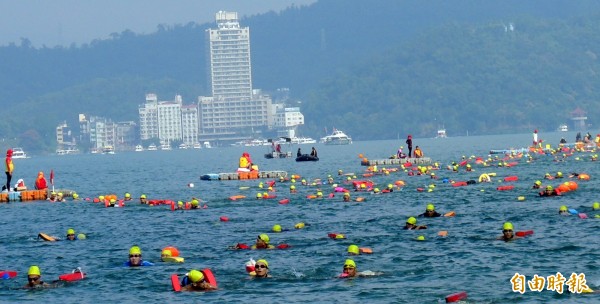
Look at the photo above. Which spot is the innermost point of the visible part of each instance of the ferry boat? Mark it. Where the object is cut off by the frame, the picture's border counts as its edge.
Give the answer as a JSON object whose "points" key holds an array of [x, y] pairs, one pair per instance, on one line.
{"points": [[441, 133], [18, 153], [67, 151], [139, 148], [108, 150], [197, 146], [303, 140], [336, 138], [152, 147]]}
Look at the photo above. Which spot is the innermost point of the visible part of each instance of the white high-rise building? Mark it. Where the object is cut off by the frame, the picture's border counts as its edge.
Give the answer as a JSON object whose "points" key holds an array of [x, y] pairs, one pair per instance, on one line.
{"points": [[149, 118], [169, 121], [189, 124], [230, 65]]}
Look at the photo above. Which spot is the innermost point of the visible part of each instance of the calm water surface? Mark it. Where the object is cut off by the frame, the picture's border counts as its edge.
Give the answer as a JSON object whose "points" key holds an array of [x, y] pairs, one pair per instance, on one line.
{"points": [[469, 259]]}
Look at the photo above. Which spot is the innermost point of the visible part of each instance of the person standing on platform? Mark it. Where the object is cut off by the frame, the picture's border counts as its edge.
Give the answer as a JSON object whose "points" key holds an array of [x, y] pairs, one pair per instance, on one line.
{"points": [[409, 145], [9, 168], [535, 137]]}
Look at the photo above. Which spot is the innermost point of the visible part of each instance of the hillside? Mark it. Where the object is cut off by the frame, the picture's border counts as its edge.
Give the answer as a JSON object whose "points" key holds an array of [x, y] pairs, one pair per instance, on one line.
{"points": [[394, 66]]}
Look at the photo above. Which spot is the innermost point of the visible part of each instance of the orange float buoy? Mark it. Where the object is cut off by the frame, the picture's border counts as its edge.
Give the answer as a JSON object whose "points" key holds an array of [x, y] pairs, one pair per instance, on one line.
{"points": [[583, 176], [174, 251], [572, 185], [224, 219], [360, 155]]}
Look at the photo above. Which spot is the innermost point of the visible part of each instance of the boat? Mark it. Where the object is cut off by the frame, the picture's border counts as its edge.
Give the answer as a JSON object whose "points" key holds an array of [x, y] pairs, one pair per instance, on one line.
{"points": [[165, 147], [563, 128], [303, 140], [336, 138], [276, 154], [207, 145], [67, 151], [108, 150], [139, 148], [183, 146], [441, 133], [197, 146], [306, 157], [18, 153], [152, 147]]}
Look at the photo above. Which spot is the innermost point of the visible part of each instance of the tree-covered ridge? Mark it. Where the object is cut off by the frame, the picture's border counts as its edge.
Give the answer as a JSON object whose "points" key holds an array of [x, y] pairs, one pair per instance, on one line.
{"points": [[475, 78]]}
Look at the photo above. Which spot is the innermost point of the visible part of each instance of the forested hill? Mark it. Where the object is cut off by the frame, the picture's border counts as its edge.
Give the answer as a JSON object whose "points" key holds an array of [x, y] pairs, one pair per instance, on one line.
{"points": [[374, 69]]}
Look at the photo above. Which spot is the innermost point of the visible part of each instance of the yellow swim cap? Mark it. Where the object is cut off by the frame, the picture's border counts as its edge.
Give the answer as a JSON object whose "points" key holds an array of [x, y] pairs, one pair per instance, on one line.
{"points": [[303, 180], [596, 206], [411, 220], [70, 231], [112, 200], [195, 202], [353, 249], [299, 225], [430, 207], [507, 226], [167, 252], [350, 263], [179, 203], [346, 193], [135, 250], [292, 187], [264, 237], [537, 182], [127, 195], [390, 186], [34, 270], [265, 194], [319, 193], [349, 178], [362, 186], [559, 173], [563, 208], [376, 190], [75, 195], [264, 262], [277, 228], [143, 196], [549, 188], [101, 197], [195, 276], [421, 238], [60, 194], [340, 236], [293, 180], [259, 195]]}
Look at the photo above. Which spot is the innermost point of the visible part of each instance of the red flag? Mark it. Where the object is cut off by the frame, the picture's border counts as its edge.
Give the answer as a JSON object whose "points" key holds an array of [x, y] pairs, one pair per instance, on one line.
{"points": [[52, 176]]}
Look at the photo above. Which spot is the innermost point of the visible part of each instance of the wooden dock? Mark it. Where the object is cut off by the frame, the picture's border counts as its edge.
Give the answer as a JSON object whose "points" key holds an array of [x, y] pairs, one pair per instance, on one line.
{"points": [[396, 161]]}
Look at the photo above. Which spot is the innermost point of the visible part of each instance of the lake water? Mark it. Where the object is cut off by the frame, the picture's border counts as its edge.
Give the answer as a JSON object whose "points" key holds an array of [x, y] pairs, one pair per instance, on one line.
{"points": [[468, 259]]}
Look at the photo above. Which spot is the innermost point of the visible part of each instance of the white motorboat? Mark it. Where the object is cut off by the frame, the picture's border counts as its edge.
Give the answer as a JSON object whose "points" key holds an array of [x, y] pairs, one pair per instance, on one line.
{"points": [[152, 147], [139, 148], [563, 128], [18, 153], [336, 138], [197, 146], [108, 150], [441, 133], [207, 145]]}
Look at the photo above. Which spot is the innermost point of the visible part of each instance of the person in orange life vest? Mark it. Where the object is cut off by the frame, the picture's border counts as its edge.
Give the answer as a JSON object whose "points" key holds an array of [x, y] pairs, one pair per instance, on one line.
{"points": [[9, 167], [245, 161], [40, 182], [418, 152]]}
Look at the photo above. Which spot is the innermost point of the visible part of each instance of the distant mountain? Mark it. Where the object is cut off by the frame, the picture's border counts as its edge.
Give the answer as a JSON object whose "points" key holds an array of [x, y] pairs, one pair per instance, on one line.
{"points": [[374, 69]]}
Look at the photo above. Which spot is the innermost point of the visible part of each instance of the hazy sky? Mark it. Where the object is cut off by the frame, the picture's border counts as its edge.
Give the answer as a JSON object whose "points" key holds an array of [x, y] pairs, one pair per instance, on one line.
{"points": [[62, 22]]}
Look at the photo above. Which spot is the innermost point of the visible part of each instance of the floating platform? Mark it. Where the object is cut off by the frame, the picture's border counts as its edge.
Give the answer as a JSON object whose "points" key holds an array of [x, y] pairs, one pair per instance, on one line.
{"points": [[396, 161], [509, 151], [244, 175]]}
